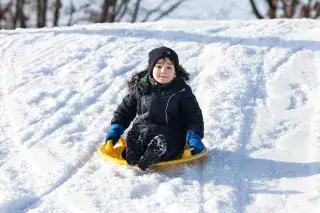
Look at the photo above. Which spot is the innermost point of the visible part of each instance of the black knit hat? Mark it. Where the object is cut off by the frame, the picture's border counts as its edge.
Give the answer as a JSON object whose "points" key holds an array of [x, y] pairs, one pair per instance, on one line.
{"points": [[162, 52]]}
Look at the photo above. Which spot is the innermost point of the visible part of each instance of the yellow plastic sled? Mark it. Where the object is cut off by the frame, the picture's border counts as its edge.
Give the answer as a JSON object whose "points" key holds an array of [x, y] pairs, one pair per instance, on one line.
{"points": [[113, 153]]}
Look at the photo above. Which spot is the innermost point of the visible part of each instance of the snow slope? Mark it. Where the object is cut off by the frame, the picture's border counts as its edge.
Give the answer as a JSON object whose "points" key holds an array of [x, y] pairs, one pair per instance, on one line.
{"points": [[257, 83]]}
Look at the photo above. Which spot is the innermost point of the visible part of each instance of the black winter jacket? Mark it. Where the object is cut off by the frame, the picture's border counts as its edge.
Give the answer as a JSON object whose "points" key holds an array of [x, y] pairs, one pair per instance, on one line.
{"points": [[162, 109]]}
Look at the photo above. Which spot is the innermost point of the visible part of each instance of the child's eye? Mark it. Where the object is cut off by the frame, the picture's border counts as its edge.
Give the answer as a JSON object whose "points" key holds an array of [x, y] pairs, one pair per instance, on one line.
{"points": [[159, 66], [169, 68]]}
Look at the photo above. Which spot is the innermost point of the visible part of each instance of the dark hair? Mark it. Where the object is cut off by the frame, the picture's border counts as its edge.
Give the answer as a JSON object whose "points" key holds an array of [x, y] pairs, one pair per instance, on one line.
{"points": [[133, 82]]}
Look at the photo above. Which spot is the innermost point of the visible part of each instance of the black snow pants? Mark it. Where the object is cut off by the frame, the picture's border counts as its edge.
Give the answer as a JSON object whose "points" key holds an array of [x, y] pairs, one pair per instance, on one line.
{"points": [[146, 148]]}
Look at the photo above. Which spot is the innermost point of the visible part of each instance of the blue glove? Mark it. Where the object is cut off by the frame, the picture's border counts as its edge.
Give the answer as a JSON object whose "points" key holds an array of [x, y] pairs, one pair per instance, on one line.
{"points": [[114, 133], [194, 141]]}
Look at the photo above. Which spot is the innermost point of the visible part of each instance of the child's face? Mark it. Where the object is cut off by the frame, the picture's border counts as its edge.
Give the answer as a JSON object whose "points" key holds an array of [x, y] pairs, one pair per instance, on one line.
{"points": [[164, 71]]}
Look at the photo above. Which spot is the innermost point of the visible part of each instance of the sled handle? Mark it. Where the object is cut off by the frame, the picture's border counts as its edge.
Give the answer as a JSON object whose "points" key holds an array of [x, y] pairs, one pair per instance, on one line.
{"points": [[187, 153], [109, 146]]}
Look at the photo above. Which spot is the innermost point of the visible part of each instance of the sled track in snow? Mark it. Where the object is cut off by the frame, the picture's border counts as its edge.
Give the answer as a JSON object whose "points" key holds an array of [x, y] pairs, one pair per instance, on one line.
{"points": [[247, 102], [60, 183], [255, 90], [254, 79], [75, 114], [12, 145], [62, 108]]}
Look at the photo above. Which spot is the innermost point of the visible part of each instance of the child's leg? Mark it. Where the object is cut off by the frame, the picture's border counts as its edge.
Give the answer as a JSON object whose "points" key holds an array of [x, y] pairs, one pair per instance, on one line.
{"points": [[133, 149], [156, 148]]}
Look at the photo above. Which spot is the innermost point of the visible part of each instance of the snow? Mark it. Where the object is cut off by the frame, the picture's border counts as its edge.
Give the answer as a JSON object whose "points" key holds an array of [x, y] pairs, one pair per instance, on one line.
{"points": [[257, 83]]}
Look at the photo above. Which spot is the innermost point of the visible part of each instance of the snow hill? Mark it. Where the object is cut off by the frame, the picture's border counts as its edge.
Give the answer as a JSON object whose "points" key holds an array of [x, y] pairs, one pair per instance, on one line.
{"points": [[257, 83]]}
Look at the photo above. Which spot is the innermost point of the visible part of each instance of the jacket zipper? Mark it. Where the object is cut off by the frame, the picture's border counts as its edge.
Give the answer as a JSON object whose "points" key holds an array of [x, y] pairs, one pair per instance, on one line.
{"points": [[167, 108]]}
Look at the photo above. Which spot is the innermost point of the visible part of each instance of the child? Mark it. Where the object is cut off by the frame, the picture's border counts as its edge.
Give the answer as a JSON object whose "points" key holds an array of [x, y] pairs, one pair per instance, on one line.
{"points": [[168, 114]]}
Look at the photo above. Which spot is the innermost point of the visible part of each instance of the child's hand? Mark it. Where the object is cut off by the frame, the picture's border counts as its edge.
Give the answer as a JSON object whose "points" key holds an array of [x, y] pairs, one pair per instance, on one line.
{"points": [[195, 142], [114, 133]]}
